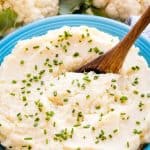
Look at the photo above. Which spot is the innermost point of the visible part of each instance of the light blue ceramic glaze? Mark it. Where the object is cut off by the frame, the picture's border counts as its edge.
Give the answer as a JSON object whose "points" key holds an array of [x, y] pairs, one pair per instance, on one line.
{"points": [[41, 27]]}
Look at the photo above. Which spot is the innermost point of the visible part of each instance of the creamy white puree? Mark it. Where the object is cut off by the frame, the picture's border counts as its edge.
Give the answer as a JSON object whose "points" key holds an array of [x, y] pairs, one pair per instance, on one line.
{"points": [[45, 106]]}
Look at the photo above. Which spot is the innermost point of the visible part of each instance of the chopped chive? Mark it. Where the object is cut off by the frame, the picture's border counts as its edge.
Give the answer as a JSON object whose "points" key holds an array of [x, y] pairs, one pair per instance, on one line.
{"points": [[87, 126], [128, 144], [87, 96], [115, 131], [55, 93], [28, 138], [35, 67], [36, 47], [22, 62], [137, 122], [135, 131], [97, 107], [12, 94], [76, 54], [136, 92], [65, 100], [14, 81], [123, 99]]}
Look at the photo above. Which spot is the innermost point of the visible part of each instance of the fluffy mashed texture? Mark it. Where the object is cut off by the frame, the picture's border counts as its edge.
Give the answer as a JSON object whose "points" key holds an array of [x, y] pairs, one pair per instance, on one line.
{"points": [[46, 106], [119, 9], [30, 10]]}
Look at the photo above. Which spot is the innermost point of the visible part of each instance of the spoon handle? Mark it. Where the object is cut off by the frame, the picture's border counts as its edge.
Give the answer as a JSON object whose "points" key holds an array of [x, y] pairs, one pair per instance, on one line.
{"points": [[113, 60], [129, 39]]}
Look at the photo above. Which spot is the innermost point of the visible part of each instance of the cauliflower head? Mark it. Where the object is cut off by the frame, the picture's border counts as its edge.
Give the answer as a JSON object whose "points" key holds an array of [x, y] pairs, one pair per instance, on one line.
{"points": [[30, 10], [122, 9]]}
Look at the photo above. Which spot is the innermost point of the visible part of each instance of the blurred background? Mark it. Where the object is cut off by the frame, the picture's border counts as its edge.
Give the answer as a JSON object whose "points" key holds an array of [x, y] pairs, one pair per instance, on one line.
{"points": [[16, 13]]}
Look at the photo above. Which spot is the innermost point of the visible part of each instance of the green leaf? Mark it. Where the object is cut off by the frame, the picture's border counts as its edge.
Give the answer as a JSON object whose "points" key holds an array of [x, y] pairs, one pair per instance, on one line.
{"points": [[2, 148], [69, 6], [84, 7], [99, 12], [7, 19]]}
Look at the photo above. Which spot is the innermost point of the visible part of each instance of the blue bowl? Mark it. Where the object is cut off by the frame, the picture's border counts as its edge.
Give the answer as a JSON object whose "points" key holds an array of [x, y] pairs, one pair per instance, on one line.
{"points": [[41, 27]]}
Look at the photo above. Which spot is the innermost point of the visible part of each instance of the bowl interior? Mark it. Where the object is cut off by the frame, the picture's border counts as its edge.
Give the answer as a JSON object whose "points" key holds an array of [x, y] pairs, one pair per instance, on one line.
{"points": [[41, 27]]}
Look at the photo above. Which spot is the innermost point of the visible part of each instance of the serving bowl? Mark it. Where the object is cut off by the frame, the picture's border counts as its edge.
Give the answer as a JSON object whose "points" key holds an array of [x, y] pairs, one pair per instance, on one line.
{"points": [[41, 27]]}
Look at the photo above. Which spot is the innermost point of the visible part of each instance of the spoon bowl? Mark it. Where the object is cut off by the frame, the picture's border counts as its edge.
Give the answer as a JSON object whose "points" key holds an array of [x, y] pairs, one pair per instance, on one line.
{"points": [[113, 60]]}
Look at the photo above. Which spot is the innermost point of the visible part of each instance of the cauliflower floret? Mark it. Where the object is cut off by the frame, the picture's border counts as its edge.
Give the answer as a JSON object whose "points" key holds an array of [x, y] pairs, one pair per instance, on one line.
{"points": [[30, 10], [122, 9], [100, 3], [144, 4], [47, 7]]}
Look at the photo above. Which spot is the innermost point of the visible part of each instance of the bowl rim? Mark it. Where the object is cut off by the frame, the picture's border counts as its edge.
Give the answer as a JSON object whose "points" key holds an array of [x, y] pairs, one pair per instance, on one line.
{"points": [[70, 16]]}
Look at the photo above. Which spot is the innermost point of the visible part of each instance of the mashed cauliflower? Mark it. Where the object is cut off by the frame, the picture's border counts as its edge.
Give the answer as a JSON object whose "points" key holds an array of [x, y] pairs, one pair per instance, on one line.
{"points": [[46, 106]]}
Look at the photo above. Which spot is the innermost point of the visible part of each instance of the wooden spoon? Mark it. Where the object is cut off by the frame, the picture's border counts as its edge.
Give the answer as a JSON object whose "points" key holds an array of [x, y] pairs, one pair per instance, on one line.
{"points": [[113, 60]]}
